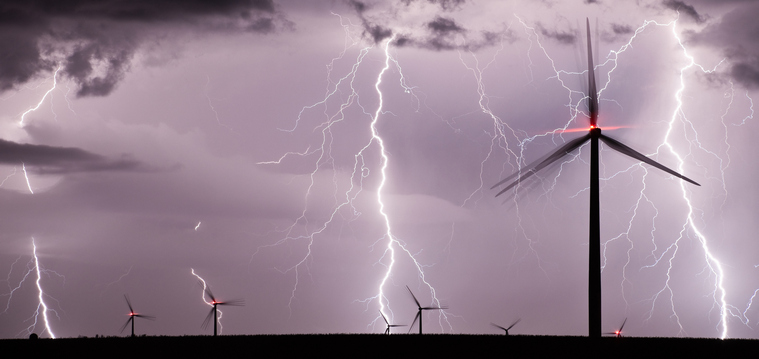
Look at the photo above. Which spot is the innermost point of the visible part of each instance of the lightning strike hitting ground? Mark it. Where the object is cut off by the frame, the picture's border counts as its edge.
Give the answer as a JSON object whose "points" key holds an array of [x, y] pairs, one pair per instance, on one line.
{"points": [[362, 169], [33, 266], [689, 227], [203, 297]]}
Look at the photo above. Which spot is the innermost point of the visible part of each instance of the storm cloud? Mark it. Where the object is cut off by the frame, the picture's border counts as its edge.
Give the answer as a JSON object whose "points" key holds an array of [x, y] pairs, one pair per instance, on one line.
{"points": [[95, 41], [58, 160]]}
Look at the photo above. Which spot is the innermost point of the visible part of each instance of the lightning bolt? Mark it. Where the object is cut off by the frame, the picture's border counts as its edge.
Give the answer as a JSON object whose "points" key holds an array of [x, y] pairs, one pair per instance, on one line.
{"points": [[713, 267], [203, 297], [8, 176], [26, 176], [55, 82], [345, 93], [34, 267]]}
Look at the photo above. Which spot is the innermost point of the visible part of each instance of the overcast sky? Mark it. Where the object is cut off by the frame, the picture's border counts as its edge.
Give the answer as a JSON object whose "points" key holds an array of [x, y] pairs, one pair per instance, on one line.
{"points": [[314, 160]]}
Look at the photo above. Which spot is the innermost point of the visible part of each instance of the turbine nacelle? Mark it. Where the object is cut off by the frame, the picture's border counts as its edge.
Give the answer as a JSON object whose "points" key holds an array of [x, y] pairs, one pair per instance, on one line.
{"points": [[419, 312], [213, 313], [618, 333], [506, 329], [132, 315]]}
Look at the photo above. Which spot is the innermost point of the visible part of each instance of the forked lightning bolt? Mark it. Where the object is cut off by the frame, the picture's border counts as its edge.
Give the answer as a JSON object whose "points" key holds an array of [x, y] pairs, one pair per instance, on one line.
{"points": [[344, 92], [33, 267], [689, 229], [55, 82]]}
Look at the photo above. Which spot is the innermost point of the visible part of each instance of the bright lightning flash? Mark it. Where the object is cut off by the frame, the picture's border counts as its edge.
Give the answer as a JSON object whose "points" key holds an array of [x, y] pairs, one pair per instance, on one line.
{"points": [[689, 228], [34, 267], [203, 297], [345, 199], [55, 82]]}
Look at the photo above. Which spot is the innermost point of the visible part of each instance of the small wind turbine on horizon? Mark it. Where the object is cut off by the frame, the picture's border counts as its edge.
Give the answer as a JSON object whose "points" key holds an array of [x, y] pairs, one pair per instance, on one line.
{"points": [[214, 312], [419, 313], [506, 330], [618, 332], [133, 315], [387, 330], [594, 135]]}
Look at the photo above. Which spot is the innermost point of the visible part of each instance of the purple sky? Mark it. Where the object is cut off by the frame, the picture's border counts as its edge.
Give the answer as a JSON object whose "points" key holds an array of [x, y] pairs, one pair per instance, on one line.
{"points": [[248, 141]]}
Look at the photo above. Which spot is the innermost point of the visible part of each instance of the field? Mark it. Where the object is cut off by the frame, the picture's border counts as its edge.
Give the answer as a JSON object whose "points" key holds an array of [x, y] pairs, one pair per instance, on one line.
{"points": [[375, 345]]}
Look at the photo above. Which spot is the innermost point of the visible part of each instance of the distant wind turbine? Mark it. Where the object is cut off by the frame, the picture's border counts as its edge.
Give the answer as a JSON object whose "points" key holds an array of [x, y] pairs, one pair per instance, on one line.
{"points": [[506, 329], [387, 330], [214, 311], [419, 313], [618, 332], [594, 248], [133, 315]]}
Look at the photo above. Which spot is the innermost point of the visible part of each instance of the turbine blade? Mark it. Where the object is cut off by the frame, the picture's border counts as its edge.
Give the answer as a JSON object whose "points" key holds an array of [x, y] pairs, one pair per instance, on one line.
{"points": [[498, 326], [413, 296], [533, 168], [129, 304], [125, 324], [383, 317], [207, 320], [513, 324], [624, 149], [208, 291], [397, 325], [148, 317], [592, 92], [418, 314], [623, 325], [434, 308], [233, 303]]}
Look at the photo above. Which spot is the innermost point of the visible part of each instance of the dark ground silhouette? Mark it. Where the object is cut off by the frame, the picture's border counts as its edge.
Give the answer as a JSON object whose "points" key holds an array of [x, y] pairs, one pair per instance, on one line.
{"points": [[371, 345]]}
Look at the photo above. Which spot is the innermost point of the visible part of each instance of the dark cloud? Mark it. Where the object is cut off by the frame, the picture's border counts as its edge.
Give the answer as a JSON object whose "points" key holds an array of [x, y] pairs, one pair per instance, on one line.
{"points": [[446, 34], [442, 33], [58, 160], [735, 36], [560, 36], [683, 8], [619, 29], [375, 31], [447, 5], [443, 26], [95, 41]]}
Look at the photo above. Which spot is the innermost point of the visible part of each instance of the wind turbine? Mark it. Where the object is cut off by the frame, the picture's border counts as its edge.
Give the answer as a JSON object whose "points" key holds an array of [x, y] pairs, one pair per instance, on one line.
{"points": [[387, 330], [506, 329], [618, 332], [594, 247], [214, 303], [133, 315], [419, 313]]}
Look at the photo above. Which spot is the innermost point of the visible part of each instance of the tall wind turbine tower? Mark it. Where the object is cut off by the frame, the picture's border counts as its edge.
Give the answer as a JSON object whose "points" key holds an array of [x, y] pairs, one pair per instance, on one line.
{"points": [[594, 247]]}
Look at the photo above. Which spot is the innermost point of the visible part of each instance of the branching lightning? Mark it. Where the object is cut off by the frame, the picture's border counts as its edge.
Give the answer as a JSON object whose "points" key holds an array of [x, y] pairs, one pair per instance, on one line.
{"points": [[345, 91], [33, 267], [690, 229], [55, 82]]}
